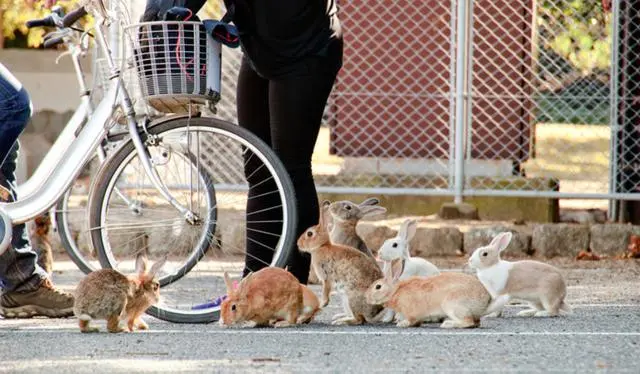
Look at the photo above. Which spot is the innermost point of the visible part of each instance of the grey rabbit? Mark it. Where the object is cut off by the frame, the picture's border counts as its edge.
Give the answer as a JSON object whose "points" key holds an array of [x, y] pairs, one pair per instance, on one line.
{"points": [[345, 216]]}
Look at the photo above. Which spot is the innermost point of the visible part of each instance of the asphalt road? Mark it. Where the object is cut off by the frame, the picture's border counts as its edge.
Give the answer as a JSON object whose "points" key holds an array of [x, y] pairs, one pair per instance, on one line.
{"points": [[602, 334]]}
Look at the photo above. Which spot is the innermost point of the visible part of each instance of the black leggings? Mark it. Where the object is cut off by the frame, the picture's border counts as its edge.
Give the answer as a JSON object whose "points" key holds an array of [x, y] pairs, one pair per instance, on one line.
{"points": [[286, 113]]}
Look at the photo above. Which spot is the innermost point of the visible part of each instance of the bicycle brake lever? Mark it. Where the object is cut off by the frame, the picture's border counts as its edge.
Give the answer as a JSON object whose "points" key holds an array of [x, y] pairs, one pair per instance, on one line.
{"points": [[61, 55]]}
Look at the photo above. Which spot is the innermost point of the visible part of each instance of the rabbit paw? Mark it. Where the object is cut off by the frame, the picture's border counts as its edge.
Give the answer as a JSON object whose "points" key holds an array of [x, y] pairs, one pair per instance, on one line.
{"points": [[338, 316], [389, 316], [494, 315], [448, 324], [527, 313], [405, 323], [282, 324], [249, 324], [346, 321]]}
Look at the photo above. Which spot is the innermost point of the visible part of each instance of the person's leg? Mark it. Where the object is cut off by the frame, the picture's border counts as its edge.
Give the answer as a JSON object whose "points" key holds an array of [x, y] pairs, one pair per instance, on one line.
{"points": [[18, 270], [253, 114], [296, 106], [26, 289]]}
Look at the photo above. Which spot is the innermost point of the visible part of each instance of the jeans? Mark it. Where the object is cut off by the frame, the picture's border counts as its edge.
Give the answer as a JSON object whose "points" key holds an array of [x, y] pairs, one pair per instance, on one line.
{"points": [[18, 265]]}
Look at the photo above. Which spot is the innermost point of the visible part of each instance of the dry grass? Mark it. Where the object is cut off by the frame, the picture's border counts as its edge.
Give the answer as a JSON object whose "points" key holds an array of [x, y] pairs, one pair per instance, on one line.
{"points": [[564, 151], [571, 152]]}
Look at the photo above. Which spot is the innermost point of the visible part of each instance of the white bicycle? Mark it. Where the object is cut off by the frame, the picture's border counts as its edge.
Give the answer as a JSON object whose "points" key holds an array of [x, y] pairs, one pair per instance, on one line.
{"points": [[175, 186]]}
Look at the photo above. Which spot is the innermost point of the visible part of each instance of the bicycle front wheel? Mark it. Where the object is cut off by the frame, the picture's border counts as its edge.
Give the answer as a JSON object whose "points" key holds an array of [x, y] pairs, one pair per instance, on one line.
{"points": [[203, 162]]}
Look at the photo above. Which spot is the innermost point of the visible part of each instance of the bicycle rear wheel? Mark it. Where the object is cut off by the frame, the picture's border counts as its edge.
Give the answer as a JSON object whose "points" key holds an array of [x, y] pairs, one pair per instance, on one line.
{"points": [[70, 221], [202, 162]]}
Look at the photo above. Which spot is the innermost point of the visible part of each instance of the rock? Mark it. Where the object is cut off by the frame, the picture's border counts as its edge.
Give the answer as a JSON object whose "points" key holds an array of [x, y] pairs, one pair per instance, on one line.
{"points": [[550, 240], [583, 216], [479, 237], [374, 235], [458, 211], [609, 239], [442, 241]]}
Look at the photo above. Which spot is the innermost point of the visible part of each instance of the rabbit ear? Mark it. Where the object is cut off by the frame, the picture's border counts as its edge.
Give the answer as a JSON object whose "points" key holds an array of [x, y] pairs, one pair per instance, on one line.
{"points": [[157, 266], [228, 283], [322, 221], [397, 267], [408, 229], [371, 210], [141, 263], [369, 201], [501, 241]]}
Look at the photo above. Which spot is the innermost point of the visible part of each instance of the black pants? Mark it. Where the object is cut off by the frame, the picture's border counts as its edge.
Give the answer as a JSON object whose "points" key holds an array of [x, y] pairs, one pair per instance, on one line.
{"points": [[286, 113]]}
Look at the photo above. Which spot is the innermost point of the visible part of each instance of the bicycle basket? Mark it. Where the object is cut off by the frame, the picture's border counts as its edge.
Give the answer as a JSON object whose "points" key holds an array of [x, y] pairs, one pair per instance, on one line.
{"points": [[177, 64]]}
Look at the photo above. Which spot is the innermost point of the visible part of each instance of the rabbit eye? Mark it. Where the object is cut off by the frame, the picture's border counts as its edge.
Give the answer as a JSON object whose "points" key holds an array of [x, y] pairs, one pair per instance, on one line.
{"points": [[484, 254], [233, 307], [395, 245], [348, 207], [378, 286], [309, 233]]}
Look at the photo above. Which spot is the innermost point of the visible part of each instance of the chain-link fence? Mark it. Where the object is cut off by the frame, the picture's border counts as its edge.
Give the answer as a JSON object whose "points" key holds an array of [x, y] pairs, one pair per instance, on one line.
{"points": [[538, 95], [484, 97]]}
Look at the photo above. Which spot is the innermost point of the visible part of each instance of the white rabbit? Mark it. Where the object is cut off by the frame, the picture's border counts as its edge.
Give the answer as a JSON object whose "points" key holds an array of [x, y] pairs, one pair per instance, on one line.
{"points": [[398, 249], [540, 285], [395, 252]]}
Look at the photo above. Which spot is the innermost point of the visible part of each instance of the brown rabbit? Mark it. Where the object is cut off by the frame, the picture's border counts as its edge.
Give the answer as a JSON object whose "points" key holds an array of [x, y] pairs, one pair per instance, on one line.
{"points": [[310, 305], [349, 269], [39, 236], [459, 297], [344, 217], [270, 294], [111, 295]]}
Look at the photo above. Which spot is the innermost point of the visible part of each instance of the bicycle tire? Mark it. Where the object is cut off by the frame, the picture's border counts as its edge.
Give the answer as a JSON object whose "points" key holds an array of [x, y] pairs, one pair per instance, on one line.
{"points": [[107, 172], [67, 242]]}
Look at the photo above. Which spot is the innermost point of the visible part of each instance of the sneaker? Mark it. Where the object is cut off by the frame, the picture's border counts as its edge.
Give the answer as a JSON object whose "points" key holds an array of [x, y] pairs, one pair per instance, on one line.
{"points": [[212, 304], [215, 303], [45, 301]]}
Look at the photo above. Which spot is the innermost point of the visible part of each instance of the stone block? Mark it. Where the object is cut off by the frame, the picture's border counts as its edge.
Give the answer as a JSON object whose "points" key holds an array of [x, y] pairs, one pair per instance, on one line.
{"points": [[458, 211], [551, 240], [441, 241], [479, 237], [609, 239], [374, 235]]}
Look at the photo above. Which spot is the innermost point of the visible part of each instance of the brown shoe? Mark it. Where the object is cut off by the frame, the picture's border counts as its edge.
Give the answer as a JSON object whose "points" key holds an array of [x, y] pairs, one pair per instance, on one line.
{"points": [[45, 301]]}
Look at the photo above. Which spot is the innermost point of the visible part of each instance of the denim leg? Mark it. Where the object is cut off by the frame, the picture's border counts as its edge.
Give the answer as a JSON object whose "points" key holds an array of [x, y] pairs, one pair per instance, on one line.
{"points": [[18, 265]]}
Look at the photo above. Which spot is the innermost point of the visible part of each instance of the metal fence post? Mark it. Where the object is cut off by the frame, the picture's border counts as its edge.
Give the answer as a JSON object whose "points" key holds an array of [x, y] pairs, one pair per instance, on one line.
{"points": [[460, 101], [613, 121]]}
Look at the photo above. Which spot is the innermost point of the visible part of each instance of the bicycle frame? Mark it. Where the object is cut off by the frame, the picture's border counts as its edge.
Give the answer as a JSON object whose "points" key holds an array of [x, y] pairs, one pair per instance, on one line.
{"points": [[79, 152]]}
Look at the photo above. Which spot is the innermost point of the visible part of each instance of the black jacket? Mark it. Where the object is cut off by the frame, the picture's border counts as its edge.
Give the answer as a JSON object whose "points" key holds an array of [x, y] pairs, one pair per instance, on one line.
{"points": [[277, 35]]}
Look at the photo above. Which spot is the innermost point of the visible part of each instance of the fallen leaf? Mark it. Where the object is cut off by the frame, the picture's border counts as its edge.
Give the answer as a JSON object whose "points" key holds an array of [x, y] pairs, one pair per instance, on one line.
{"points": [[587, 256]]}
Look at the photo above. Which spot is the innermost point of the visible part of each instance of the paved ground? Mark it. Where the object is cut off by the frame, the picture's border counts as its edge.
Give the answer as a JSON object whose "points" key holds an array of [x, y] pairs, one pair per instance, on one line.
{"points": [[603, 334]]}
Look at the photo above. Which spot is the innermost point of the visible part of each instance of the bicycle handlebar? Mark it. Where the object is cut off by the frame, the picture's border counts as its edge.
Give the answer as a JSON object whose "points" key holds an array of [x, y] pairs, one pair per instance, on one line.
{"points": [[73, 16], [53, 41], [42, 22]]}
